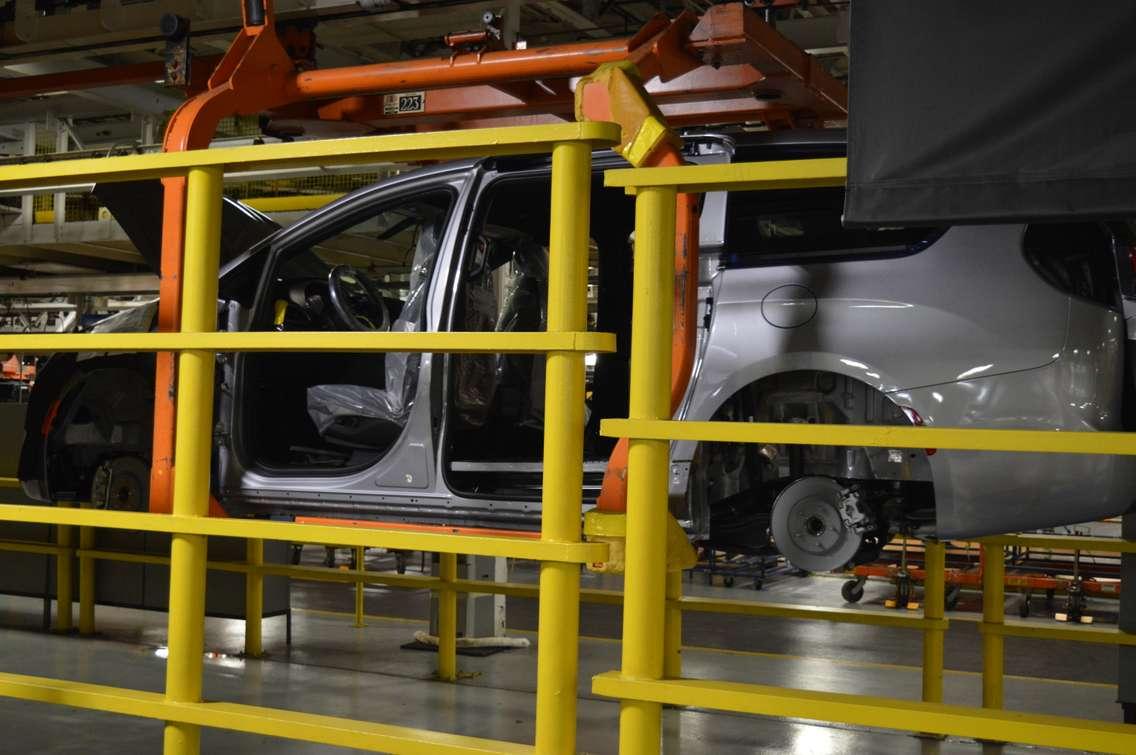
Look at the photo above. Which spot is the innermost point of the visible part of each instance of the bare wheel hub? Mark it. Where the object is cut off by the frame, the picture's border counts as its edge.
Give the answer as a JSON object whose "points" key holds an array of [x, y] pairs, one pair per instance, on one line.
{"points": [[808, 526]]}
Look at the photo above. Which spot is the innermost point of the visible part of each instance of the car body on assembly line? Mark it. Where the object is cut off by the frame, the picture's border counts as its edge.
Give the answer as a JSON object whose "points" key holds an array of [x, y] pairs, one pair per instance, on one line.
{"points": [[801, 320]]}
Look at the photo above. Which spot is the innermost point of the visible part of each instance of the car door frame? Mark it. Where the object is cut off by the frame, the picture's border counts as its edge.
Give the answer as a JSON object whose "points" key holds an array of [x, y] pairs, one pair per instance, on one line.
{"points": [[404, 476]]}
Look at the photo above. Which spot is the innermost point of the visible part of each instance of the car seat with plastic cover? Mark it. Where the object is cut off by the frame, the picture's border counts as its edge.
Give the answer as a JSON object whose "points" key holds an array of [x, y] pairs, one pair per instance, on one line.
{"points": [[360, 416]]}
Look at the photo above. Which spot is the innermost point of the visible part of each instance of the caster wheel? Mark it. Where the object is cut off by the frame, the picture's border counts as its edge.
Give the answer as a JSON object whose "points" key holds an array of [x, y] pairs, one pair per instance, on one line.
{"points": [[852, 591], [1024, 607], [902, 593], [728, 581], [951, 599]]}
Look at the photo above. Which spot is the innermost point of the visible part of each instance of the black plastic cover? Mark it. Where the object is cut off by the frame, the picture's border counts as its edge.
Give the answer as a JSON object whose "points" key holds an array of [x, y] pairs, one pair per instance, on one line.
{"points": [[137, 206], [1014, 110]]}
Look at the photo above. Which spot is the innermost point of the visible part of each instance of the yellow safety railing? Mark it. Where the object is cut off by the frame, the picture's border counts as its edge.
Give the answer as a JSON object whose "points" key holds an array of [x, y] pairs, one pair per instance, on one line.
{"points": [[994, 628], [649, 674], [559, 548]]}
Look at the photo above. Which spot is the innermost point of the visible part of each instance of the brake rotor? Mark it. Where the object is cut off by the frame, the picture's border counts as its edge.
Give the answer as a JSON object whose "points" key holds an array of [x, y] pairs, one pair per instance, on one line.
{"points": [[807, 527], [122, 484]]}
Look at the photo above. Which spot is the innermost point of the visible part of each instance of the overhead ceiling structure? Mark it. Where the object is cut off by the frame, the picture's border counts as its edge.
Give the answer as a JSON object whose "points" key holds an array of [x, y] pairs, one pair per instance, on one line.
{"points": [[89, 76]]}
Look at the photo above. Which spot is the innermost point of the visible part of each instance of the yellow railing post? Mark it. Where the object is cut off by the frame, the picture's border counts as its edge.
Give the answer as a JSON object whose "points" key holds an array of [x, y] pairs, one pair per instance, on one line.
{"points": [[64, 578], [360, 555], [558, 623], [447, 618], [934, 607], [86, 582], [672, 628], [993, 616], [646, 556], [254, 598], [193, 446]]}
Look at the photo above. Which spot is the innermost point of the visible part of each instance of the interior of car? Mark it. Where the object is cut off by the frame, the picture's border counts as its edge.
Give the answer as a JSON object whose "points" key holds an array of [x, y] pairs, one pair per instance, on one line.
{"points": [[494, 429], [337, 411]]}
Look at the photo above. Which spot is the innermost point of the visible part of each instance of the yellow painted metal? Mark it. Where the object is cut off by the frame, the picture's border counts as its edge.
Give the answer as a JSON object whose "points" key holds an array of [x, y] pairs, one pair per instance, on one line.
{"points": [[993, 615], [447, 618], [934, 608], [1065, 543], [811, 613], [883, 436], [193, 443], [298, 203], [672, 630], [558, 621], [468, 343], [269, 722], [1076, 633], [64, 578], [432, 145], [22, 546], [646, 551], [689, 179], [86, 581], [360, 569], [254, 598], [345, 536], [9, 482], [878, 712]]}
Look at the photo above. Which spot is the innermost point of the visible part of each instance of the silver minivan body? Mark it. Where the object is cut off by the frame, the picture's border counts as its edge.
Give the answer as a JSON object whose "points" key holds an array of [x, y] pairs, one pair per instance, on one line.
{"points": [[965, 333], [959, 331]]}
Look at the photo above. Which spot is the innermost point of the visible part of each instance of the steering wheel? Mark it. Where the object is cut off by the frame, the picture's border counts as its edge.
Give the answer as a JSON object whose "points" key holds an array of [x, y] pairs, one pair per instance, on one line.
{"points": [[355, 301]]}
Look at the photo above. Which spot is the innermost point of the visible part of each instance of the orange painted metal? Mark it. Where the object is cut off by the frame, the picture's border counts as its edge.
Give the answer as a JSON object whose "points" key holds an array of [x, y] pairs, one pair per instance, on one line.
{"points": [[407, 527], [93, 78], [248, 80]]}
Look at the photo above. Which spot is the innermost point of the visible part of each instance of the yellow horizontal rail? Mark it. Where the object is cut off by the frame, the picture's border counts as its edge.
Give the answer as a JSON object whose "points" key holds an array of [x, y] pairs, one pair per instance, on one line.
{"points": [[810, 613], [1063, 542], [433, 145], [448, 342], [1076, 633], [876, 712], [883, 436], [432, 542], [781, 174], [9, 482], [250, 719], [297, 203]]}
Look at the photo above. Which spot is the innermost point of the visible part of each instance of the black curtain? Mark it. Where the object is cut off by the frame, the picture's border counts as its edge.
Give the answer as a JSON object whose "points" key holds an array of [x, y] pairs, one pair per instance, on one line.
{"points": [[988, 112]]}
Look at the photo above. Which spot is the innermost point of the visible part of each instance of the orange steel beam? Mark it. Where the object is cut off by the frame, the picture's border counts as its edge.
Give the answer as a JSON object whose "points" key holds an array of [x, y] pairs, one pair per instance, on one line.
{"points": [[705, 96], [93, 78]]}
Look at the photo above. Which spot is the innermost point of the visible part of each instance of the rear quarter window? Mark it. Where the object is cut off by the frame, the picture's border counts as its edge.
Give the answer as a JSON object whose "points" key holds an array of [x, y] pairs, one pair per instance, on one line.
{"points": [[795, 227], [1076, 258]]}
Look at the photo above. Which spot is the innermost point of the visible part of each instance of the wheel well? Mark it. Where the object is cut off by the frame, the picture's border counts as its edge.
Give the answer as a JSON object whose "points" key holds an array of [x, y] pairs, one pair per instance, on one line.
{"points": [[731, 485]]}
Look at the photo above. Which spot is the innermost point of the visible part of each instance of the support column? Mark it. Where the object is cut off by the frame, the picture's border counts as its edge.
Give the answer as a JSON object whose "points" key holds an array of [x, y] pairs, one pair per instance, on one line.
{"points": [[86, 582], [644, 601], [672, 640], [360, 567], [254, 598], [934, 607], [993, 616], [559, 613], [447, 618], [64, 578], [193, 447]]}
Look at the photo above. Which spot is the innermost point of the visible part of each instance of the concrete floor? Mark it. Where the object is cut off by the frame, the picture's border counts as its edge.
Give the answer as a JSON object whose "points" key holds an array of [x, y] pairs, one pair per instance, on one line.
{"points": [[334, 668]]}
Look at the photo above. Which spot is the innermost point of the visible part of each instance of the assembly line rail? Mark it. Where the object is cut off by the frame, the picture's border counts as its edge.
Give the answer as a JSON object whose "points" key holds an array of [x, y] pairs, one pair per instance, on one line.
{"points": [[559, 547], [649, 677]]}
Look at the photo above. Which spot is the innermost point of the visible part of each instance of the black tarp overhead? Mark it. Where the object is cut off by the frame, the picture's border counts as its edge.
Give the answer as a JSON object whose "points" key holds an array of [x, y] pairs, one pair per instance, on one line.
{"points": [[992, 111]]}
